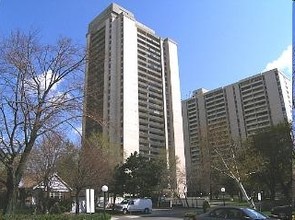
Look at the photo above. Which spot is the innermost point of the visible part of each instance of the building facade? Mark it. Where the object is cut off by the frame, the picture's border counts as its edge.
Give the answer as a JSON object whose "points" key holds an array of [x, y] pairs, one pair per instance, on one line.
{"points": [[132, 87], [234, 112]]}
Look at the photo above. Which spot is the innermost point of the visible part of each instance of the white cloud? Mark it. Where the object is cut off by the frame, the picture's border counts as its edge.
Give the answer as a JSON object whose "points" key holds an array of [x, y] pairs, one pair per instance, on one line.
{"points": [[42, 82], [283, 62], [46, 79]]}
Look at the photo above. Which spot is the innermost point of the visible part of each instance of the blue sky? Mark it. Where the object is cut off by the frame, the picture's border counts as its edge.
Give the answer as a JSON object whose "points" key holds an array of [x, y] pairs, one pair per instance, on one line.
{"points": [[219, 41]]}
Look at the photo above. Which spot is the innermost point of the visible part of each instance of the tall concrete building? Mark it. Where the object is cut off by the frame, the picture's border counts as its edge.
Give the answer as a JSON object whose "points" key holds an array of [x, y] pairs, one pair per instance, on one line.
{"points": [[235, 111], [133, 88]]}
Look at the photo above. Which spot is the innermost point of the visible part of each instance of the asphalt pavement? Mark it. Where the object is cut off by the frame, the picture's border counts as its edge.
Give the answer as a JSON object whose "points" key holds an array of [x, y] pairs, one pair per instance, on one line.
{"points": [[160, 214]]}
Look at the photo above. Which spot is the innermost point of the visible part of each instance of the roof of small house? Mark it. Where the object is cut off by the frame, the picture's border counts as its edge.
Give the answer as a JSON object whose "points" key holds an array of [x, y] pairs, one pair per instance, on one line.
{"points": [[56, 183]]}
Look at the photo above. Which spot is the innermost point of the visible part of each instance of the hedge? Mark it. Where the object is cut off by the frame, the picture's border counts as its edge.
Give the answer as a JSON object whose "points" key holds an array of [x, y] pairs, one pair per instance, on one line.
{"points": [[99, 216]]}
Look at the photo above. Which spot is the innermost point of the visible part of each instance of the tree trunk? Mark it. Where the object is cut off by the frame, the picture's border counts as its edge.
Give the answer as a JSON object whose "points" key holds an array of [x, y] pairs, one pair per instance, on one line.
{"points": [[47, 195], [272, 193], [186, 201], [244, 193], [11, 195], [77, 201], [286, 188], [11, 201], [114, 201], [12, 182], [14, 175]]}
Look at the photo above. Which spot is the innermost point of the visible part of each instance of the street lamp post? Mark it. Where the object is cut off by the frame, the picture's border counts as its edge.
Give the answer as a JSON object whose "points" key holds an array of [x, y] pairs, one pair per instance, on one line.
{"points": [[104, 189], [223, 192]]}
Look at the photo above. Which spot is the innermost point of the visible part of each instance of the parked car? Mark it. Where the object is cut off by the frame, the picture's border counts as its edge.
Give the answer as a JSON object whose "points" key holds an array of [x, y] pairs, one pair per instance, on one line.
{"points": [[229, 213], [135, 205], [283, 212]]}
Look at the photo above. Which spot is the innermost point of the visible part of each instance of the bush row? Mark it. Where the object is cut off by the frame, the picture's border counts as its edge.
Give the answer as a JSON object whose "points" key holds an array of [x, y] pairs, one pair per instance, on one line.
{"points": [[99, 216]]}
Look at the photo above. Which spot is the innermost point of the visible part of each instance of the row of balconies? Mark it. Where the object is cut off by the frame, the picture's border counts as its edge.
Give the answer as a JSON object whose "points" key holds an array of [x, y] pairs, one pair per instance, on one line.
{"points": [[253, 90], [151, 39], [148, 57], [216, 109], [144, 33], [148, 46], [150, 87], [191, 107], [193, 133], [255, 105], [151, 142], [193, 122], [146, 101], [145, 72], [153, 98], [219, 98], [152, 124], [148, 52], [256, 114], [214, 93], [216, 112], [146, 117], [215, 104], [251, 80], [251, 129], [150, 134], [149, 110], [258, 119], [255, 110], [191, 115], [193, 126], [251, 85], [152, 67], [254, 96], [152, 130], [150, 116], [150, 113]]}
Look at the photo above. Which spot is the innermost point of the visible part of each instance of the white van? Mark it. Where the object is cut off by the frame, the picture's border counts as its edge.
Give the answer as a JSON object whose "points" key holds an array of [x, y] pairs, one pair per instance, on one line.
{"points": [[135, 205]]}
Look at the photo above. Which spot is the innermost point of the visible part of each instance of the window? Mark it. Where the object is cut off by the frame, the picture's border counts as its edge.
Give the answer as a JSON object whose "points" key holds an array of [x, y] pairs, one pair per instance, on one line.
{"points": [[234, 214], [56, 195], [131, 202], [218, 213]]}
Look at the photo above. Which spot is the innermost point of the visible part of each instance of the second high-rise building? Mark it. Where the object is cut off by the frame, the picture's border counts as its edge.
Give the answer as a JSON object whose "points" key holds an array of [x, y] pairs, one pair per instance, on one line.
{"points": [[232, 113], [132, 87]]}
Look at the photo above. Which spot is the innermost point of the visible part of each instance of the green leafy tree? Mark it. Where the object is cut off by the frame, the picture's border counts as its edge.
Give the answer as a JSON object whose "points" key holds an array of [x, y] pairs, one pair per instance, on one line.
{"points": [[230, 158], [232, 163], [274, 146], [138, 176]]}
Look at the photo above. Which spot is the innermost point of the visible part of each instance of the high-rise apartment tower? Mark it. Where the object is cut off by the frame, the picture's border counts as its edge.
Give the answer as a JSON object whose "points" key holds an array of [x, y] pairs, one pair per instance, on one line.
{"points": [[132, 87], [235, 112]]}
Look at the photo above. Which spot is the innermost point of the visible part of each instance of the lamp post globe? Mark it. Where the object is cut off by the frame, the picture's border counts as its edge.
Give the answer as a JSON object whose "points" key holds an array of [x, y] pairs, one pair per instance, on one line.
{"points": [[223, 192], [104, 188]]}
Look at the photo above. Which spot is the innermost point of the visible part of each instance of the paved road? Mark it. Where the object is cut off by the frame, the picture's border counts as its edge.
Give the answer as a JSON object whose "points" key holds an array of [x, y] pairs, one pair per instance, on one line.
{"points": [[144, 218], [160, 214]]}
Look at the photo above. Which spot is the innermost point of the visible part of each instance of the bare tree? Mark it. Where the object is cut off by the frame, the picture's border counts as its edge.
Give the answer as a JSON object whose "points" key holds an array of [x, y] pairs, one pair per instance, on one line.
{"points": [[43, 160], [90, 166], [38, 93], [76, 169]]}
